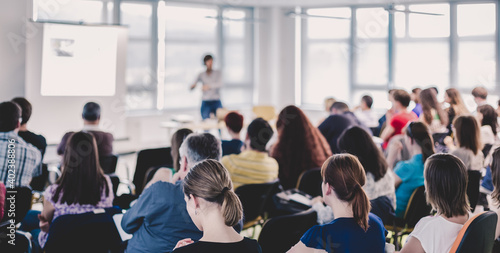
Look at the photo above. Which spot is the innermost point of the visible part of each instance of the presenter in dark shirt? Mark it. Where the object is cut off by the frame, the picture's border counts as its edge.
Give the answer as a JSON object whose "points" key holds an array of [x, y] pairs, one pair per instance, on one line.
{"points": [[211, 83], [34, 139]]}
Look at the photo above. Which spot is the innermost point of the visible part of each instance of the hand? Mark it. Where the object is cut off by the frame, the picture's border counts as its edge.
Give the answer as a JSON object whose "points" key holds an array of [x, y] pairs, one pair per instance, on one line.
{"points": [[205, 87], [448, 141], [44, 223], [315, 200], [192, 86], [183, 243]]}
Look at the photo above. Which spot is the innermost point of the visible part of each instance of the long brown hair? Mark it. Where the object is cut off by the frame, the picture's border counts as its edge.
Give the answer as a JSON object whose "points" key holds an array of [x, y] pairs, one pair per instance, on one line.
{"points": [[456, 101], [300, 146], [489, 117], [429, 101], [82, 180], [419, 133], [345, 174], [467, 133], [495, 174], [210, 181], [177, 139]]}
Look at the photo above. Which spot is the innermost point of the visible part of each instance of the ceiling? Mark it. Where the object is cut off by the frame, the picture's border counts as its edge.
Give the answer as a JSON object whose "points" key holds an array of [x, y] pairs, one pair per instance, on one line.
{"points": [[313, 3]]}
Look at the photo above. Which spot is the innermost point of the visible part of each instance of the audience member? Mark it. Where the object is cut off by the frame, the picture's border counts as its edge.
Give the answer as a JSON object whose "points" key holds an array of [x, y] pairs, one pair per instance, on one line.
{"points": [[365, 114], [446, 191], [487, 118], [328, 102], [214, 208], [457, 106], [409, 175], [468, 138], [339, 120], [343, 179], [400, 101], [432, 112], [495, 177], [34, 139], [159, 219], [300, 146], [234, 124], [15, 154], [91, 117], [415, 97], [382, 122], [253, 165], [480, 94]]}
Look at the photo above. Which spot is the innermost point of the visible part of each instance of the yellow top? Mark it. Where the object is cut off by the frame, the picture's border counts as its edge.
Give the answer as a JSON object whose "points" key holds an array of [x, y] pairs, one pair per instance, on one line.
{"points": [[251, 167]]}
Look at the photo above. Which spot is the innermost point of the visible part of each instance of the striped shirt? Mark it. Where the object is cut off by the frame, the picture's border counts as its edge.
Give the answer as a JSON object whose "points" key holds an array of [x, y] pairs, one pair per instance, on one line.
{"points": [[19, 161], [251, 167]]}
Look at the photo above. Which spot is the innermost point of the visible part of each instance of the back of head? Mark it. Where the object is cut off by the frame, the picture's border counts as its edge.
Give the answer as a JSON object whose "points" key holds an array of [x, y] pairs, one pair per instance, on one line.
{"points": [[25, 108], [328, 103], [259, 132], [340, 107], [480, 92], [402, 97], [10, 113], [82, 178], [234, 121], [495, 174], [345, 174], [177, 139], [358, 142], [199, 147], [429, 101], [206, 58], [368, 100], [446, 184], [489, 117], [419, 133], [467, 133], [210, 181], [91, 111]]}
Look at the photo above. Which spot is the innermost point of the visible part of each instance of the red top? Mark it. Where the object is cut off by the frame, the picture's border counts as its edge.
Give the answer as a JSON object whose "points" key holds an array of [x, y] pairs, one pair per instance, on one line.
{"points": [[399, 121]]}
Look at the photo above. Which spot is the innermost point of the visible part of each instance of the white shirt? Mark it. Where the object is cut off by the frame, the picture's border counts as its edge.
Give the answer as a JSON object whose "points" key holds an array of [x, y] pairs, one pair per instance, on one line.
{"points": [[383, 187], [367, 118], [214, 81], [471, 161], [487, 136], [436, 234]]}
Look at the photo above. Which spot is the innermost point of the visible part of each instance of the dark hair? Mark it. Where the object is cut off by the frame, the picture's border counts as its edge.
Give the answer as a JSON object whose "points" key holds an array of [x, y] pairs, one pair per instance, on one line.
{"points": [[467, 133], [416, 91], [368, 100], [358, 142], [489, 117], [207, 58], [435, 89], [418, 132], [25, 108], [429, 101], [210, 181], [446, 184], [402, 97], [82, 180], [345, 174], [199, 147], [259, 132], [300, 145], [10, 113], [480, 92], [175, 143], [495, 174], [91, 111], [340, 106], [234, 121]]}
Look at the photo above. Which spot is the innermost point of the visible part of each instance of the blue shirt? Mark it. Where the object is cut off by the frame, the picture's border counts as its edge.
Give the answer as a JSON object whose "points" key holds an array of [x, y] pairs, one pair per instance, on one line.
{"points": [[418, 109], [231, 147], [345, 235], [411, 173], [159, 219]]}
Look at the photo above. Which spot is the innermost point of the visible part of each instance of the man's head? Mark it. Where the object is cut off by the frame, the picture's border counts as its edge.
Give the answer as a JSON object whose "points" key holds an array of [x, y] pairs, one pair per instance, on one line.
{"points": [[208, 61], [401, 99], [91, 113], [10, 116], [259, 133], [196, 148], [25, 108], [339, 108], [480, 94], [366, 102], [234, 122]]}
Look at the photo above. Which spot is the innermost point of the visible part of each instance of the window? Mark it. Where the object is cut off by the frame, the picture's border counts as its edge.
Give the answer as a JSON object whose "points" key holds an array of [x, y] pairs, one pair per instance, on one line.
{"points": [[85, 11]]}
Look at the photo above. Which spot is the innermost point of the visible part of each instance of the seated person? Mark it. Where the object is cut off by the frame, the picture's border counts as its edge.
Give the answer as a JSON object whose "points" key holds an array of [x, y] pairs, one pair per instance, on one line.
{"points": [[215, 209], [234, 124], [415, 97], [468, 138], [159, 219], [365, 114], [91, 117], [409, 175], [339, 120], [253, 165], [446, 191], [343, 179], [432, 112], [34, 139], [487, 118], [495, 178], [26, 161], [396, 123]]}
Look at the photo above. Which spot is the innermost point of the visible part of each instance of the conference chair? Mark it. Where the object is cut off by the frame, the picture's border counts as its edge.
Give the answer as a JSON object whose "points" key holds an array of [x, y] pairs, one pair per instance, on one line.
{"points": [[473, 188], [280, 233], [310, 182], [38, 183], [22, 242], [159, 157], [255, 199], [477, 235], [108, 163], [267, 112], [22, 197]]}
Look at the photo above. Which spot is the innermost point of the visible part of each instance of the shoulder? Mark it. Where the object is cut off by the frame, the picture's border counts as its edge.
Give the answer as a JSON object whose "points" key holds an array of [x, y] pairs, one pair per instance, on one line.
{"points": [[426, 225]]}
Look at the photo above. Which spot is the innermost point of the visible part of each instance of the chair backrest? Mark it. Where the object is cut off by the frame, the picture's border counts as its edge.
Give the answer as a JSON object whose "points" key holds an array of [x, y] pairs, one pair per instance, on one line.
{"points": [[87, 232], [417, 207], [149, 158], [477, 235], [38, 183], [473, 188], [254, 198], [383, 208], [108, 163], [280, 233], [267, 112], [22, 197], [310, 182]]}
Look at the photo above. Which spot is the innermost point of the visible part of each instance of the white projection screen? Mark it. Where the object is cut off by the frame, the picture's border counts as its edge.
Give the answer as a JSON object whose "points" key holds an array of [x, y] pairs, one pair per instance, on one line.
{"points": [[78, 60]]}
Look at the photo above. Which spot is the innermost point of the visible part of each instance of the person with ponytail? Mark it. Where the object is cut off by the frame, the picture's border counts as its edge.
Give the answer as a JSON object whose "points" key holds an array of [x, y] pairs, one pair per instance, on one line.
{"points": [[215, 209], [354, 228]]}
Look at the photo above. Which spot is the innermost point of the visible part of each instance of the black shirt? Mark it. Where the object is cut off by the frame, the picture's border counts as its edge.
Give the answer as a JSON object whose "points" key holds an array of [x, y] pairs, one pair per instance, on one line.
{"points": [[244, 246], [34, 139]]}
